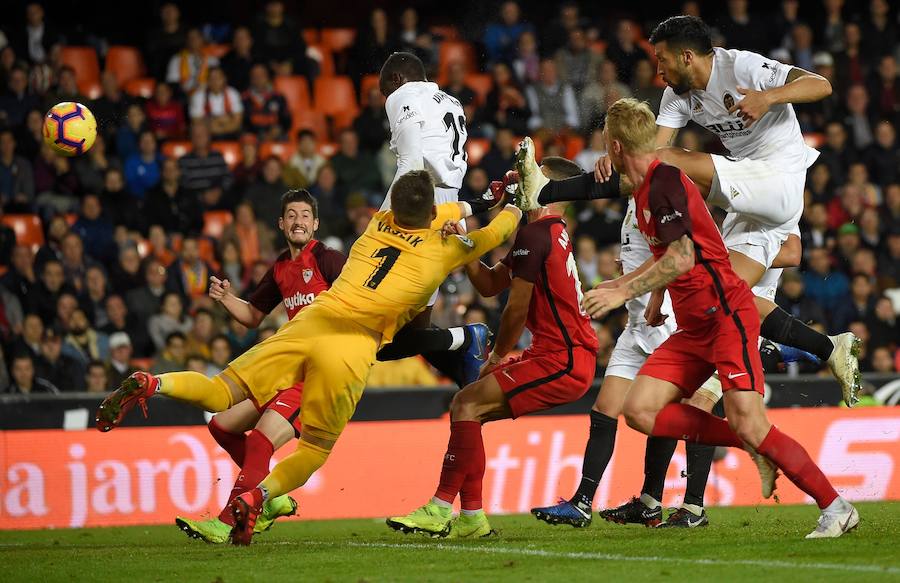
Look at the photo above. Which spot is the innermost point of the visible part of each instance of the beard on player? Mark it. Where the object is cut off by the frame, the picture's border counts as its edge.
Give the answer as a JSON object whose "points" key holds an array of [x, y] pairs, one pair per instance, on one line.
{"points": [[298, 223]]}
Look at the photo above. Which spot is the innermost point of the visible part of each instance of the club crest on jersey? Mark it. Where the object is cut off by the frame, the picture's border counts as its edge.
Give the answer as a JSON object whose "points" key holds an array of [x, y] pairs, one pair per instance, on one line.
{"points": [[728, 100], [307, 275], [647, 215]]}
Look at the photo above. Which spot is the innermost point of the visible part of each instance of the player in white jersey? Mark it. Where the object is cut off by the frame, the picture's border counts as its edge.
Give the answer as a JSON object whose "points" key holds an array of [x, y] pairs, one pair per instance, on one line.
{"points": [[745, 99], [636, 342]]}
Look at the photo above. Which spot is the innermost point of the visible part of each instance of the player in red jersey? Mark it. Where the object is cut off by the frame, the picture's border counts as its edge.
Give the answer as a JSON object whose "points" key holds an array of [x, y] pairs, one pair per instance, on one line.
{"points": [[544, 296], [717, 319], [298, 275]]}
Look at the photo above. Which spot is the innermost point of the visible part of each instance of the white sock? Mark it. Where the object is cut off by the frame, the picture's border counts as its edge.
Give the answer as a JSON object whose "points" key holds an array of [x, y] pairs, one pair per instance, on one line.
{"points": [[470, 512], [649, 501], [442, 503], [838, 506], [459, 337], [693, 509]]}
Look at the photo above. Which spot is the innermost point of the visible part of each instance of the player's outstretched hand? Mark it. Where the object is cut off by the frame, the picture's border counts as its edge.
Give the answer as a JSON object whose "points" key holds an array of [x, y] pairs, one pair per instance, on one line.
{"points": [[599, 302], [451, 228], [653, 312], [218, 288], [603, 169], [753, 106]]}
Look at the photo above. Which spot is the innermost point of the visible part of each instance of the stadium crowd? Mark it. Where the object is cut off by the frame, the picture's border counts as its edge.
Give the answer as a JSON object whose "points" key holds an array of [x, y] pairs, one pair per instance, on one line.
{"points": [[107, 256]]}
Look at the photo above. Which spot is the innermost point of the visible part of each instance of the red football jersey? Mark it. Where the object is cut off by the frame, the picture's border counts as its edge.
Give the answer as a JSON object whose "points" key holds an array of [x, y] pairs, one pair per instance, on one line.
{"points": [[542, 255], [298, 281], [668, 206]]}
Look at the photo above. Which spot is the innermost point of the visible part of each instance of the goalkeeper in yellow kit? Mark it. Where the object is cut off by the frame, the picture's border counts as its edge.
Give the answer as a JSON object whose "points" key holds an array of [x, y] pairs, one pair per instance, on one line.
{"points": [[391, 272]]}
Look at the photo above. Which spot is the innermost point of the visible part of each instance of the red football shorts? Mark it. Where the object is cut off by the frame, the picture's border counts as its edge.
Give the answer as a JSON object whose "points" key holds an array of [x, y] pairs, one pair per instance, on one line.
{"points": [[287, 404], [729, 345], [536, 382]]}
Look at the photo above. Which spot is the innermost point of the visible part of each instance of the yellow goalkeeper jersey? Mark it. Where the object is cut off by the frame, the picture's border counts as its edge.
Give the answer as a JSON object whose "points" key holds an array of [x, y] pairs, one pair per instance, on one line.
{"points": [[391, 272]]}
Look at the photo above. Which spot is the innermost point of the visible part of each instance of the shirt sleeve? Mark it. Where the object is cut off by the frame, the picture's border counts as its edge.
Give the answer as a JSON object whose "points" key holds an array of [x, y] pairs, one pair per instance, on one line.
{"points": [[331, 263], [528, 254], [469, 247], [197, 104], [674, 111], [668, 204], [448, 211], [754, 71], [267, 295], [235, 97]]}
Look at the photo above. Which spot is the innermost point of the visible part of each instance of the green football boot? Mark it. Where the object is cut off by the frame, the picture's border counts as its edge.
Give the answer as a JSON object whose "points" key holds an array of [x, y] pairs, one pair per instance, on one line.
{"points": [[273, 509], [471, 526], [431, 519]]}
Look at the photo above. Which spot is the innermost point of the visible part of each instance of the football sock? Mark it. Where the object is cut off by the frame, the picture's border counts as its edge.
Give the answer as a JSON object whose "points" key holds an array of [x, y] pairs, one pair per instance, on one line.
{"points": [[470, 492], [597, 453], [254, 469], [649, 501], [657, 456], [411, 342], [781, 327], [695, 509], [211, 394], [796, 464], [462, 448], [699, 461], [680, 421], [233, 443], [294, 470], [582, 187]]}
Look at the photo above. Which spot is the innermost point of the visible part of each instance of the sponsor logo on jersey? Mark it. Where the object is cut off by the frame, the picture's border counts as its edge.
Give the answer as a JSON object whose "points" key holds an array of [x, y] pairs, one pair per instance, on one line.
{"points": [[466, 241], [667, 218], [728, 100], [734, 193], [307, 275], [408, 115], [520, 252], [647, 215], [298, 300]]}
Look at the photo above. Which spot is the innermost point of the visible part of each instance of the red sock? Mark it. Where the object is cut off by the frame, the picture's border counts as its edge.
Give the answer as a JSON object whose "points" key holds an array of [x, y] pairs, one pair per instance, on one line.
{"points": [[470, 493], [465, 441], [233, 443], [796, 464], [254, 470], [679, 421]]}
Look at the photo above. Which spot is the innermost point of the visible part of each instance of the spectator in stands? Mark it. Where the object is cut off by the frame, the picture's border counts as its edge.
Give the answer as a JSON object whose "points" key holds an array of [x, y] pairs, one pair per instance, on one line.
{"points": [[35, 40], [120, 321], [644, 87], [414, 40], [882, 157], [66, 305], [577, 63], [142, 170], [882, 324], [330, 197], [20, 279], [266, 111], [373, 45], [52, 285], [501, 157], [18, 100], [505, 105], [55, 183], [165, 116], [171, 318], [264, 195], [476, 183], [24, 381], [602, 221], [859, 306], [219, 105], [129, 132], [62, 370], [166, 40], [815, 231], [596, 147], [171, 206], [190, 67], [219, 354], [848, 243], [121, 206], [189, 276], [819, 184], [280, 44], [780, 31], [884, 89], [883, 360], [231, 264], [30, 136], [802, 46], [741, 29], [372, 126], [90, 169], [837, 153], [878, 32], [255, 239], [75, 263], [120, 352], [29, 341], [889, 261], [173, 355], [203, 170], [145, 301], [870, 230], [850, 66], [556, 34], [84, 342], [110, 108], [825, 286], [552, 103], [830, 30], [527, 61], [201, 333], [624, 51], [238, 61], [96, 378], [500, 38], [16, 176], [600, 94], [125, 275], [93, 298], [858, 117], [456, 86], [356, 170], [247, 170], [56, 230]]}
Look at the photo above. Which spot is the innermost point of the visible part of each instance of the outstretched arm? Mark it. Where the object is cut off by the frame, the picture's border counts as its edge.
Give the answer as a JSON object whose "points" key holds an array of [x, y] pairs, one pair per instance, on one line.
{"points": [[241, 310]]}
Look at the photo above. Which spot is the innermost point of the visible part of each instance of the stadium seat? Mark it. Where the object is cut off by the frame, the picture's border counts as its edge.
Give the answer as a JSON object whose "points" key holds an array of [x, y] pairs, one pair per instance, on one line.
{"points": [[335, 96], [176, 149], [217, 51], [295, 90], [207, 252], [87, 68], [311, 120], [214, 223], [455, 51], [481, 84], [141, 87], [324, 57], [365, 85], [231, 151], [142, 363], [125, 62], [338, 39], [574, 145], [28, 229], [283, 150], [311, 36], [476, 148]]}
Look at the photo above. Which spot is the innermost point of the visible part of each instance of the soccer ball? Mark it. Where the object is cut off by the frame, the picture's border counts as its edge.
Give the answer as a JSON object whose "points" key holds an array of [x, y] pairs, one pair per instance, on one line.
{"points": [[70, 128]]}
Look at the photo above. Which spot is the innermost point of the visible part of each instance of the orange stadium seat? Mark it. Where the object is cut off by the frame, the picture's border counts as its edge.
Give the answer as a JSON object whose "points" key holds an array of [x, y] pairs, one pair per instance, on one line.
{"points": [[214, 222], [125, 62], [311, 120], [324, 57], [338, 39], [451, 52], [231, 151], [283, 150], [28, 229], [217, 51], [87, 68], [176, 149], [207, 252], [476, 148], [311, 36], [141, 87], [295, 90], [335, 96], [481, 84], [142, 363], [365, 85], [574, 145]]}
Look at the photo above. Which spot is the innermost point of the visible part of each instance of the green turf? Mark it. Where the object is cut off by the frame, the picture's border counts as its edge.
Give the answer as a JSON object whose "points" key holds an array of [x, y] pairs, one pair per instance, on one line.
{"points": [[742, 544]]}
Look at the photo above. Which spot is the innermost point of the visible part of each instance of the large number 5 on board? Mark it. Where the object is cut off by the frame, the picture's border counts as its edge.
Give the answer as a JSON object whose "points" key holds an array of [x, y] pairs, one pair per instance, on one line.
{"points": [[388, 257]]}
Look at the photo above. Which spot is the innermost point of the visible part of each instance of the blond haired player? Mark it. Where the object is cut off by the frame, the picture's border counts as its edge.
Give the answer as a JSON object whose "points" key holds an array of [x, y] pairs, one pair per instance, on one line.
{"points": [[391, 271]]}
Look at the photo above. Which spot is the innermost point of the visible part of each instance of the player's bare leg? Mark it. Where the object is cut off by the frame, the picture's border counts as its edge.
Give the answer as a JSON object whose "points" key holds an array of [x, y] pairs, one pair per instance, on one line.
{"points": [[698, 165]]}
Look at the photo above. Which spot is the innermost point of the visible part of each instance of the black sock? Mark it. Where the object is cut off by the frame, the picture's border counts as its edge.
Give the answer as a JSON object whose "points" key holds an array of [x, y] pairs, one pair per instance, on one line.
{"points": [[414, 341], [582, 187], [781, 327], [699, 460], [597, 453], [656, 463]]}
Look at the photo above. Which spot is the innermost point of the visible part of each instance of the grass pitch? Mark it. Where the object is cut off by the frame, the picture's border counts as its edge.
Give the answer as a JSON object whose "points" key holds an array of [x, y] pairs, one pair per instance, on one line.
{"points": [[741, 544]]}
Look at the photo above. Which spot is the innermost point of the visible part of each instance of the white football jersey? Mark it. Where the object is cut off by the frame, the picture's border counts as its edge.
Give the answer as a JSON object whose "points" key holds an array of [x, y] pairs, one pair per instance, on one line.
{"points": [[443, 128], [775, 137], [634, 252]]}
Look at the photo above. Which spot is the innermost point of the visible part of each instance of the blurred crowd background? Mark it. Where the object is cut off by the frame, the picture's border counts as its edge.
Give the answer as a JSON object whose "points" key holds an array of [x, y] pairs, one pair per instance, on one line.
{"points": [[205, 120]]}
